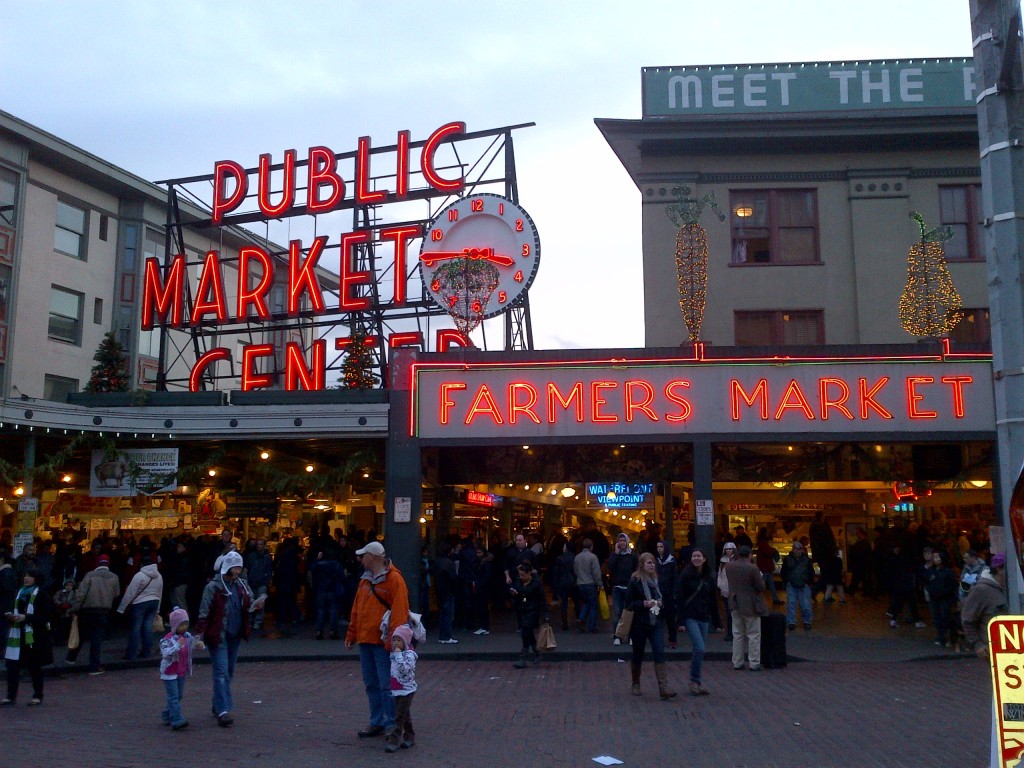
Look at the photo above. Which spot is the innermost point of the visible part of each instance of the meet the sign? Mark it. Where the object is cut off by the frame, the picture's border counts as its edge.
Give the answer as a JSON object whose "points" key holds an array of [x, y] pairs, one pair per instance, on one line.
{"points": [[810, 87]]}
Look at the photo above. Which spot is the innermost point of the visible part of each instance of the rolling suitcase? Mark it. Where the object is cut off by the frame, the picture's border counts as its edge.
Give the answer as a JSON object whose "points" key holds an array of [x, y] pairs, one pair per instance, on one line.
{"points": [[773, 641]]}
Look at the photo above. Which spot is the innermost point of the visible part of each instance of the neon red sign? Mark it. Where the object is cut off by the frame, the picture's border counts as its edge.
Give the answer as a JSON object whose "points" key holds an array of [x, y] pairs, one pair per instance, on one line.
{"points": [[700, 397]]}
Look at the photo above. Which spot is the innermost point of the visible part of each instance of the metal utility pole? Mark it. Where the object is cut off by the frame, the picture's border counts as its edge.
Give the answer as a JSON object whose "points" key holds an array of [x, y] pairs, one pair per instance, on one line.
{"points": [[999, 81]]}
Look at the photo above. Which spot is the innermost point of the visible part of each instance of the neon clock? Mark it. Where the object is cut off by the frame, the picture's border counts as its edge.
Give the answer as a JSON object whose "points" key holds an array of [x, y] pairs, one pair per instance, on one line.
{"points": [[479, 255]]}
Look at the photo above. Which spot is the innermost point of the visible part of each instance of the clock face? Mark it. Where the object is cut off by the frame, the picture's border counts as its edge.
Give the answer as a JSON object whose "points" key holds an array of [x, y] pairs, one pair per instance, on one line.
{"points": [[479, 255]]}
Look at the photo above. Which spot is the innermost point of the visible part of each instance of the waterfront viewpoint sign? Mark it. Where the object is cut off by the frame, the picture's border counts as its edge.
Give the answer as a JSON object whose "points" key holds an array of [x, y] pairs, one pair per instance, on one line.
{"points": [[809, 87], [632, 398]]}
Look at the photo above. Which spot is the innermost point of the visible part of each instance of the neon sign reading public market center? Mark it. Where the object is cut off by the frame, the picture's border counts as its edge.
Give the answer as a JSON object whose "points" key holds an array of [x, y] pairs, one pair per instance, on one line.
{"points": [[163, 296]]}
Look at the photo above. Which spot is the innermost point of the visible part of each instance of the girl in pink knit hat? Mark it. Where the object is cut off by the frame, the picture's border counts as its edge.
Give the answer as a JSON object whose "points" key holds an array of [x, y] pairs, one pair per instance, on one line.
{"points": [[176, 649]]}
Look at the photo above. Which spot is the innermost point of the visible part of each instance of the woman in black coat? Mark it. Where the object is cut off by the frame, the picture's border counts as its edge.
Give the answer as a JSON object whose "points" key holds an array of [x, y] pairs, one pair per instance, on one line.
{"points": [[695, 600], [645, 600], [28, 639], [530, 605]]}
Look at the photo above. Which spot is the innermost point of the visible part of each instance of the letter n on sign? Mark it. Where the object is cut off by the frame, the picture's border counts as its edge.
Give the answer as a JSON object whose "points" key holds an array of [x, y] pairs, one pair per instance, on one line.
{"points": [[1006, 646]]}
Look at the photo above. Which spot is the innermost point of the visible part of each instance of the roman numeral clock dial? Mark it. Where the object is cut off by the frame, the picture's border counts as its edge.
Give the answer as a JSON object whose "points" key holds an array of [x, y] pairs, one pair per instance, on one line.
{"points": [[479, 255]]}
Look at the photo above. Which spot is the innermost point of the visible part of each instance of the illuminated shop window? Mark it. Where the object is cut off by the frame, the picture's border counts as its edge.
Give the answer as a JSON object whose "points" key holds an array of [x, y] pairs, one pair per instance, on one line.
{"points": [[960, 208], [781, 327], [774, 226], [69, 234]]}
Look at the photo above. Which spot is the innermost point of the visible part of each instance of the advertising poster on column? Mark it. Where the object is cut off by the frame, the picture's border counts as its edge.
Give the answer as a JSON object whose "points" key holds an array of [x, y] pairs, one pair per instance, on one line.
{"points": [[133, 471]]}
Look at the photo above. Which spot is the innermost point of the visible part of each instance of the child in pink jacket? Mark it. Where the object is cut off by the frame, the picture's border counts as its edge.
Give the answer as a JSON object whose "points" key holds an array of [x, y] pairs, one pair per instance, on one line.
{"points": [[176, 664]]}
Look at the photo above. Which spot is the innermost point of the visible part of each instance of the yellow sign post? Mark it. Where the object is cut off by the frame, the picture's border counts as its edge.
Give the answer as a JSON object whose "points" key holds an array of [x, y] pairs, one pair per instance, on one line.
{"points": [[1006, 646]]}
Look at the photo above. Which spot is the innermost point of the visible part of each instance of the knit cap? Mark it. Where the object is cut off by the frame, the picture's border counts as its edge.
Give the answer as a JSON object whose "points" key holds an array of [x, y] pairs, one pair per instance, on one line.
{"points": [[404, 631], [178, 616]]}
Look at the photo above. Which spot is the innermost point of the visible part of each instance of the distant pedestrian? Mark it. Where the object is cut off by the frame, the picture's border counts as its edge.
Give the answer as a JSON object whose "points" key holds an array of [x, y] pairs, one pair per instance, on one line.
{"points": [[798, 577], [403, 688], [986, 599], [381, 588], [621, 565], [94, 602], [143, 597], [528, 599], [565, 583], [176, 649], [224, 623], [259, 567], [587, 570], [446, 584], [695, 597], [28, 637], [942, 597], [645, 600], [728, 555], [746, 601]]}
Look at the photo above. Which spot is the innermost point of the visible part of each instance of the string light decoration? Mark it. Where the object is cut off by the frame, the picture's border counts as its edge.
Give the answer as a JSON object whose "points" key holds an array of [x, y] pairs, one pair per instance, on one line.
{"points": [[466, 286], [357, 369], [691, 255], [930, 305]]}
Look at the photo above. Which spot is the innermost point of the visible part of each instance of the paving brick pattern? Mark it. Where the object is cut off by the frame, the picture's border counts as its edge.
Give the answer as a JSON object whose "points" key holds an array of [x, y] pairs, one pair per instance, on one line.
{"points": [[485, 713]]}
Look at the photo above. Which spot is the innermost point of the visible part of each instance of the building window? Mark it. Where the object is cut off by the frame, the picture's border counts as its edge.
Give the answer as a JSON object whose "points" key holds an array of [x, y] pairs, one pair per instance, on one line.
{"points": [[960, 209], [974, 328], [58, 387], [774, 226], [149, 342], [65, 315], [104, 226], [782, 327], [69, 235], [97, 311]]}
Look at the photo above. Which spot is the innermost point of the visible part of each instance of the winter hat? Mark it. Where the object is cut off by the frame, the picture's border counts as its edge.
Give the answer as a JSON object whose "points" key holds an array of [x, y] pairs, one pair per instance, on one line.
{"points": [[103, 560], [178, 616], [229, 561], [728, 545], [404, 631]]}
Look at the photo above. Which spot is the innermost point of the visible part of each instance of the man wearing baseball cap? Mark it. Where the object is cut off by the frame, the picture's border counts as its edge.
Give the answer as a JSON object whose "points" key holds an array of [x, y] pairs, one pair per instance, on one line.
{"points": [[94, 602], [381, 589], [223, 624]]}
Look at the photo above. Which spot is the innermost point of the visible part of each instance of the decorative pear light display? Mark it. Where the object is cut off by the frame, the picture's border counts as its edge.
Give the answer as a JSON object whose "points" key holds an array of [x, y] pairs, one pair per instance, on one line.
{"points": [[930, 305]]}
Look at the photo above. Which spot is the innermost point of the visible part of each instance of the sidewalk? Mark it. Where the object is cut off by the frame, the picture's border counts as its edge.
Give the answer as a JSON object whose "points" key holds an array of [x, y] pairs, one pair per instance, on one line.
{"points": [[854, 633]]}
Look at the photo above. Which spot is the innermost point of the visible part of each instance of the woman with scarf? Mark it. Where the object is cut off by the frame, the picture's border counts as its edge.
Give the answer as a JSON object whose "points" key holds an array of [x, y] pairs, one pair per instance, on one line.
{"points": [[28, 639], [695, 599], [644, 599]]}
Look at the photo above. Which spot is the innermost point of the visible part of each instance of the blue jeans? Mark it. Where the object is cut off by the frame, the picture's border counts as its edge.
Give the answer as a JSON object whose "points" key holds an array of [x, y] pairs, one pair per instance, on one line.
{"points": [[326, 610], [618, 603], [446, 617], [640, 633], [376, 668], [698, 632], [803, 595], [588, 611], [175, 691], [142, 629], [222, 659]]}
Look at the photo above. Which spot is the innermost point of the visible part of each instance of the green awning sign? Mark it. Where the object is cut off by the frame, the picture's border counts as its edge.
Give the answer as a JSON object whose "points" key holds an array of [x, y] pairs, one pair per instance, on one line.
{"points": [[811, 87]]}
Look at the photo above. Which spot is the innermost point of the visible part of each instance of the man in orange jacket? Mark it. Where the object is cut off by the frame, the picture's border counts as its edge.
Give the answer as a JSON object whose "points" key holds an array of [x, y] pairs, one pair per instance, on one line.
{"points": [[380, 589]]}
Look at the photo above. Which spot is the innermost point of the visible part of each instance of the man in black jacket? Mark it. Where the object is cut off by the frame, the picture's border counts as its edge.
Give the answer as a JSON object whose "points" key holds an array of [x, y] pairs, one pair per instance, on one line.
{"points": [[621, 565]]}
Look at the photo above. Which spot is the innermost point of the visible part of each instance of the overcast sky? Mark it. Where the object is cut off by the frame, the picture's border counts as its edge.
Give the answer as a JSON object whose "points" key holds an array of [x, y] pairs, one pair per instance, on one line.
{"points": [[165, 89]]}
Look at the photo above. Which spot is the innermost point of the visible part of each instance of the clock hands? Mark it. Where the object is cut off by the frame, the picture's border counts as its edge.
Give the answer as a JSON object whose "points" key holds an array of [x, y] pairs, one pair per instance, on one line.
{"points": [[475, 254]]}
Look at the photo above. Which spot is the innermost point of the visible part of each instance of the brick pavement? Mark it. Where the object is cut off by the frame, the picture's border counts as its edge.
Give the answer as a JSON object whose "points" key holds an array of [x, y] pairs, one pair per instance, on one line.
{"points": [[485, 713]]}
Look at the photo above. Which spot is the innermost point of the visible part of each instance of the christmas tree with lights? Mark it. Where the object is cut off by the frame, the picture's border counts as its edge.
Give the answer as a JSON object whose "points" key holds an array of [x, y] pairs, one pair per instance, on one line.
{"points": [[110, 374], [357, 370]]}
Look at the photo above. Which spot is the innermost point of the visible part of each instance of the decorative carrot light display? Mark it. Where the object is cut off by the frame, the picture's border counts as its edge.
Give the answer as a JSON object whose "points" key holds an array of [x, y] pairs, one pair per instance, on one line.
{"points": [[930, 305], [691, 255]]}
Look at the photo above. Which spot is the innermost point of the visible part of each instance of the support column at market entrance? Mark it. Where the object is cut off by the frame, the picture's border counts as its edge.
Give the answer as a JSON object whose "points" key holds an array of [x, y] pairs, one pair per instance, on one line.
{"points": [[702, 491], [402, 487]]}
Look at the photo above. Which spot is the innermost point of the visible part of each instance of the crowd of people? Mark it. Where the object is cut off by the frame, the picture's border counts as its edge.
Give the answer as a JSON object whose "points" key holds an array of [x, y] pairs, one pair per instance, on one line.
{"points": [[342, 586]]}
